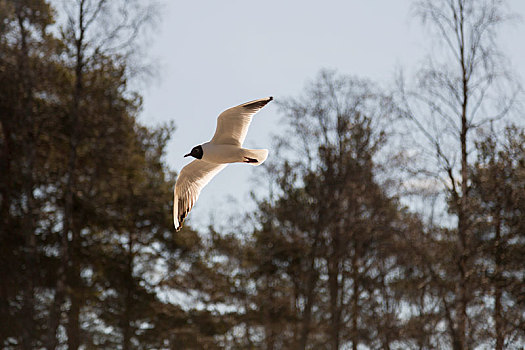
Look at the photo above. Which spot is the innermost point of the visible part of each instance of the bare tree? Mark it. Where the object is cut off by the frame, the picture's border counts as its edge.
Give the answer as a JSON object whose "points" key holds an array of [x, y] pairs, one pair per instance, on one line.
{"points": [[464, 86]]}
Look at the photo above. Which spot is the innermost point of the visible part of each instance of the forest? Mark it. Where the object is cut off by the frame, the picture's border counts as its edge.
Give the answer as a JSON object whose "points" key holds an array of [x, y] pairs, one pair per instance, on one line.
{"points": [[394, 216]]}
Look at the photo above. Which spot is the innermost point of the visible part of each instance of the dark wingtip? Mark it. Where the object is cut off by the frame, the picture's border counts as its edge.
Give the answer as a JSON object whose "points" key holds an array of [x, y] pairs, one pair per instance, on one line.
{"points": [[258, 103]]}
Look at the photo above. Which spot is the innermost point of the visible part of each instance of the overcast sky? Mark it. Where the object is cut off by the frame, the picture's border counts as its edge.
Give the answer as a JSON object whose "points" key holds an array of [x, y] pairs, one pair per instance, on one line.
{"points": [[213, 55]]}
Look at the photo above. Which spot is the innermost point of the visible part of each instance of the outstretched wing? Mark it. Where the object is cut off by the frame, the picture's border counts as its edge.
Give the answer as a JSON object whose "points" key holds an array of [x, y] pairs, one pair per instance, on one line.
{"points": [[192, 178], [233, 123]]}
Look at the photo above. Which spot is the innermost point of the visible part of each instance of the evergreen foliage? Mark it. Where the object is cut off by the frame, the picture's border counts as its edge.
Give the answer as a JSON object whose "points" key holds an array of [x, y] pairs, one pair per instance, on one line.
{"points": [[330, 259]]}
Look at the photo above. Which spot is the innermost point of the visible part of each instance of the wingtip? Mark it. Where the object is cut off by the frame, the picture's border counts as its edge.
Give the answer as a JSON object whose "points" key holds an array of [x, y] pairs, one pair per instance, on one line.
{"points": [[257, 104], [178, 223]]}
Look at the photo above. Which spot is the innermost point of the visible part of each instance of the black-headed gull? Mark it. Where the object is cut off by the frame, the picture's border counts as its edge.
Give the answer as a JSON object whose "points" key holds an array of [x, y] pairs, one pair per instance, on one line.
{"points": [[211, 157]]}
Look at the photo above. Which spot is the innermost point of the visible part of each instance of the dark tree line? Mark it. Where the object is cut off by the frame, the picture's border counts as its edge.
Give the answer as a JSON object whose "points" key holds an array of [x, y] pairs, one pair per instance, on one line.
{"points": [[85, 228], [335, 256]]}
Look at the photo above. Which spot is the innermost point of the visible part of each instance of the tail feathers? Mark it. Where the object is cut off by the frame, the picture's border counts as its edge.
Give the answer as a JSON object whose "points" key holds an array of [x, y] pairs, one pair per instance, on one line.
{"points": [[255, 156]]}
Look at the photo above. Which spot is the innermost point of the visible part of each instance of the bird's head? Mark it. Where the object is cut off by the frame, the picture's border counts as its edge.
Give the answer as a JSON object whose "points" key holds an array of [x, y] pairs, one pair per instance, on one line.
{"points": [[196, 152]]}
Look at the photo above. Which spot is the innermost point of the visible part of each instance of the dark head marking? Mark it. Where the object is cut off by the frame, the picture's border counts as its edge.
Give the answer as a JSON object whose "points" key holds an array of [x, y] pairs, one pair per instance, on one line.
{"points": [[196, 152]]}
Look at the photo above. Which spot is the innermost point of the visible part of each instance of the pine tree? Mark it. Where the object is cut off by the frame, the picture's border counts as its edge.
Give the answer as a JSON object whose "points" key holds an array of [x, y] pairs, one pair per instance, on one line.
{"points": [[318, 269], [498, 199], [86, 227], [28, 72]]}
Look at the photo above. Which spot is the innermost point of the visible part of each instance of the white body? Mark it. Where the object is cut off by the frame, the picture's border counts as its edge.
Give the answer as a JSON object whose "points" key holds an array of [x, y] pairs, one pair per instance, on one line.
{"points": [[221, 154], [225, 147]]}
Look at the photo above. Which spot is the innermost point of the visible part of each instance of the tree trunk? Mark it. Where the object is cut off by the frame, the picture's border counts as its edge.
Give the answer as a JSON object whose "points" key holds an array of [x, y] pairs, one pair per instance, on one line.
{"points": [[28, 153], [334, 290], [5, 217], [73, 330], [354, 335], [462, 212], [73, 326], [500, 337], [75, 291], [269, 332], [127, 331], [312, 280]]}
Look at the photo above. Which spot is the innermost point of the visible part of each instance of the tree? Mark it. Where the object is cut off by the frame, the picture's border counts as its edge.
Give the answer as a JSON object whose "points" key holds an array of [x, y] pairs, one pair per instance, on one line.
{"points": [[498, 196], [91, 37], [463, 87], [85, 194], [28, 73], [318, 269]]}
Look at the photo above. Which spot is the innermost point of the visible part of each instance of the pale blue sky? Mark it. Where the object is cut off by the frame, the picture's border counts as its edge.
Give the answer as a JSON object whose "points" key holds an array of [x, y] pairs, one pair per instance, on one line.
{"points": [[216, 54]]}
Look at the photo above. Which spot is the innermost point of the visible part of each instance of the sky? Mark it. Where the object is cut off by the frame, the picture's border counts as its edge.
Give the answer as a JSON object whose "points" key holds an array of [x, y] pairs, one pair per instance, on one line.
{"points": [[212, 55]]}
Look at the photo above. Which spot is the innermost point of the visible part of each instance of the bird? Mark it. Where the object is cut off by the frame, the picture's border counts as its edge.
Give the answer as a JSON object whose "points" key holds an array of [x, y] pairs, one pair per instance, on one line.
{"points": [[211, 157]]}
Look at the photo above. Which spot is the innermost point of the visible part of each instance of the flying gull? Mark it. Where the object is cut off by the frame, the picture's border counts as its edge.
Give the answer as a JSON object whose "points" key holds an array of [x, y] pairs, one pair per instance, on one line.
{"points": [[211, 157]]}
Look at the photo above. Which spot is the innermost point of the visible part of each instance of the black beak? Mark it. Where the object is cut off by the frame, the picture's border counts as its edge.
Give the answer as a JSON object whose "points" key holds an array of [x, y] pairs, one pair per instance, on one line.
{"points": [[187, 155]]}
